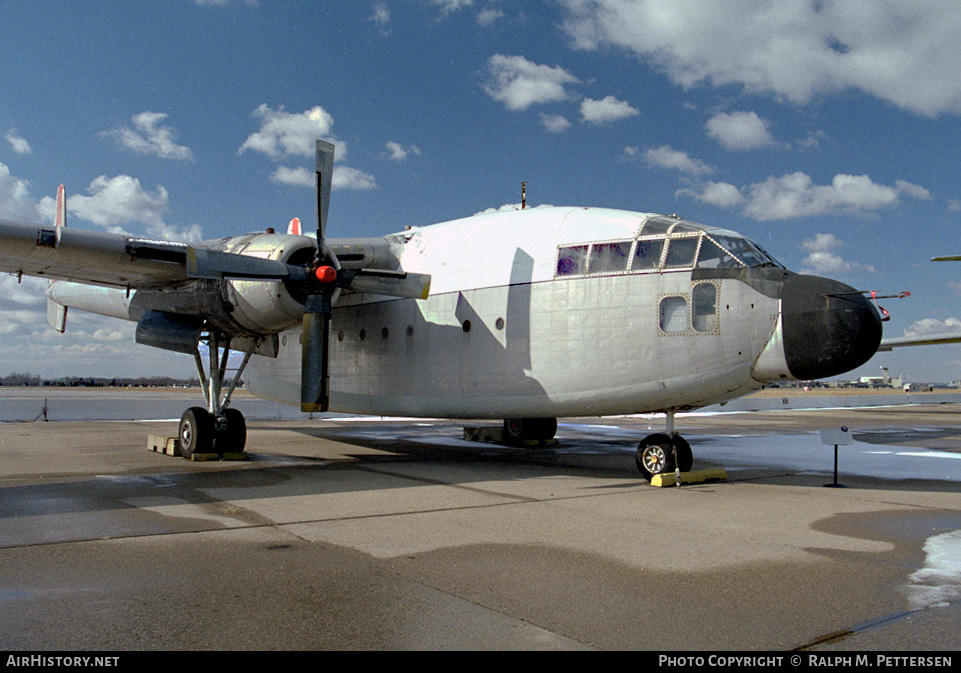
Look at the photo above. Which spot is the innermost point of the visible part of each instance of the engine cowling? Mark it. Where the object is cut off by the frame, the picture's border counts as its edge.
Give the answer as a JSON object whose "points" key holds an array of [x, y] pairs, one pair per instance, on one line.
{"points": [[263, 307]]}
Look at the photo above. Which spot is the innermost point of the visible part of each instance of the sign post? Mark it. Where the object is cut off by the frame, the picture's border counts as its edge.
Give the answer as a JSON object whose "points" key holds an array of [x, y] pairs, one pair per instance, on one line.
{"points": [[838, 437]]}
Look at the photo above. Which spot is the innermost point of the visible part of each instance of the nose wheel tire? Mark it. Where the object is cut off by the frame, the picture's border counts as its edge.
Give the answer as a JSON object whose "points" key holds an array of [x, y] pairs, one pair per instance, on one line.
{"points": [[656, 455]]}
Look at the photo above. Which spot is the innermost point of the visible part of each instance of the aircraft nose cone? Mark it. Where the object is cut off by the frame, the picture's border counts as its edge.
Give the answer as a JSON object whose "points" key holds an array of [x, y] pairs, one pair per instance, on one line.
{"points": [[829, 327]]}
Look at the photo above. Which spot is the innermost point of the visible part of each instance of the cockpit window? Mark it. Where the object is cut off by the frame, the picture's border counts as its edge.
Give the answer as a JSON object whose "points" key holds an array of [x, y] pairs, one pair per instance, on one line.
{"points": [[610, 257], [658, 249], [714, 256], [647, 256], [681, 228], [745, 252], [680, 252], [657, 225], [572, 260]]}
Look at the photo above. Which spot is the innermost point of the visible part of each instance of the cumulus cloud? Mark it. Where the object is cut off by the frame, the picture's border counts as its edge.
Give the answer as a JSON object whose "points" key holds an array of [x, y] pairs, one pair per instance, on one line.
{"points": [[720, 194], [796, 195], [283, 134], [519, 83], [298, 176], [149, 136], [606, 110], [555, 123], [488, 16], [740, 131], [118, 202], [92, 346], [381, 14], [18, 144], [904, 52], [823, 258], [448, 6], [15, 200], [929, 327], [912, 190], [343, 178], [670, 158], [399, 152]]}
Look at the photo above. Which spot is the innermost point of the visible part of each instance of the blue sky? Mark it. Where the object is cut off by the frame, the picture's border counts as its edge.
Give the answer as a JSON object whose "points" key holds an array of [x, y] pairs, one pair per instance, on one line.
{"points": [[828, 131]]}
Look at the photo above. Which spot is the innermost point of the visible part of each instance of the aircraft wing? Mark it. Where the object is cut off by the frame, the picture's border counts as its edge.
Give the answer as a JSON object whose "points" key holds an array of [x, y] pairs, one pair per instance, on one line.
{"points": [[118, 260], [935, 340]]}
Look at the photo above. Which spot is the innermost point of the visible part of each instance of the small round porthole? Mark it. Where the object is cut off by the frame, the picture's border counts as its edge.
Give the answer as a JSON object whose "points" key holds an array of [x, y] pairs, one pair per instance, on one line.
{"points": [[466, 325], [363, 334], [499, 323]]}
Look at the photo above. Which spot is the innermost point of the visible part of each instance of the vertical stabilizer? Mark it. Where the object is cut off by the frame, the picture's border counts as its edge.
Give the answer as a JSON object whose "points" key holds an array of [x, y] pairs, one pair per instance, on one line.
{"points": [[294, 228]]}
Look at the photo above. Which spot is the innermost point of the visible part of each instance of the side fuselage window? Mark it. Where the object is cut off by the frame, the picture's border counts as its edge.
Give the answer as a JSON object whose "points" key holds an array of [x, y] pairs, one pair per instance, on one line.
{"points": [[673, 315], [704, 307]]}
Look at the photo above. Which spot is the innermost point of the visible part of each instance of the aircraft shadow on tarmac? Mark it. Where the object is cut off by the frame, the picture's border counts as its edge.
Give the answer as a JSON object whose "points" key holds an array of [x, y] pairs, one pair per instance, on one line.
{"points": [[581, 449], [606, 454]]}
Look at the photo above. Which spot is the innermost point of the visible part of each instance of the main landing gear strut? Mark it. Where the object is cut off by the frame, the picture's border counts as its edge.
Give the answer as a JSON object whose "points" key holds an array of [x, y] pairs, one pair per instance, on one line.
{"points": [[662, 453], [216, 428]]}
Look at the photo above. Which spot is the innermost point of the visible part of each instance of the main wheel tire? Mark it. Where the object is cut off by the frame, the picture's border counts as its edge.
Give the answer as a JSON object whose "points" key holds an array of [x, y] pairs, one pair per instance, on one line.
{"points": [[545, 428], [515, 430], [232, 437], [520, 430], [196, 432], [656, 455]]}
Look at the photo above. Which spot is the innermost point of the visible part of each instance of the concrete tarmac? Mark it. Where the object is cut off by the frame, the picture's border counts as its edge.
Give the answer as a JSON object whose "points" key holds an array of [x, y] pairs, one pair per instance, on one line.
{"points": [[398, 534]]}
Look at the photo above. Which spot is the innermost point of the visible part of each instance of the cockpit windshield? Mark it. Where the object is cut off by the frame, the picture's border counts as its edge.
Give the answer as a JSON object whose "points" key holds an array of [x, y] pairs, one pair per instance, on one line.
{"points": [[663, 244], [728, 251]]}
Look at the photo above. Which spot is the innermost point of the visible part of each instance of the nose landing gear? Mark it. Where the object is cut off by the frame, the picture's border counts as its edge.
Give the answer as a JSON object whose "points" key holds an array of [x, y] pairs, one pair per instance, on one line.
{"points": [[663, 453]]}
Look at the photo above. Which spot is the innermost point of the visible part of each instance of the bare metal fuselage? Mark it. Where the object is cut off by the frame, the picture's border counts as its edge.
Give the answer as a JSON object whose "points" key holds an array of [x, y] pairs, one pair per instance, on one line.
{"points": [[501, 336]]}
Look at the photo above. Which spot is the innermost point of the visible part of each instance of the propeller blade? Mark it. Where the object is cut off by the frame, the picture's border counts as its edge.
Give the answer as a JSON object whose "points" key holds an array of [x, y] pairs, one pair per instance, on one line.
{"points": [[214, 264], [314, 374], [325, 170], [314, 363], [386, 282]]}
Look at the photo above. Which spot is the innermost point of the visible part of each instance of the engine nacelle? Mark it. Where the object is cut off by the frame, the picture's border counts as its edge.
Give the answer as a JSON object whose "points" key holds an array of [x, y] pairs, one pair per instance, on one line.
{"points": [[264, 307]]}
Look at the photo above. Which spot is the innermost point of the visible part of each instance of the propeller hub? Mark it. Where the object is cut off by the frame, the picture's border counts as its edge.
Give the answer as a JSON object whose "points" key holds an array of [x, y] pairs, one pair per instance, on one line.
{"points": [[325, 274]]}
